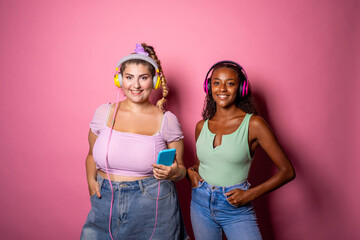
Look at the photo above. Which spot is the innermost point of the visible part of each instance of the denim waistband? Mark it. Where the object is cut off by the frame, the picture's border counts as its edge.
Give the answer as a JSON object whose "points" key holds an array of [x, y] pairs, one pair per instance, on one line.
{"points": [[244, 185], [137, 184]]}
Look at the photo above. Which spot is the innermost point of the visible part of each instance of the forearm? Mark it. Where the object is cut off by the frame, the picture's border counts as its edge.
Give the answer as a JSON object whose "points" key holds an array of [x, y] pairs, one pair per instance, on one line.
{"points": [[193, 168], [279, 179], [90, 168], [179, 170], [179, 174]]}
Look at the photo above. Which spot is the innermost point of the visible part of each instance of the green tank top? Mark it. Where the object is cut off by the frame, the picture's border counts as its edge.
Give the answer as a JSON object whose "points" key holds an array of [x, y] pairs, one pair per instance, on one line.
{"points": [[229, 163]]}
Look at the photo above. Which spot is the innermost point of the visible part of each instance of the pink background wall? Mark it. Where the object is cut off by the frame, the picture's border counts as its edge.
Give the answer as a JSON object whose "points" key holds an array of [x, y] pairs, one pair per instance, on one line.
{"points": [[302, 57]]}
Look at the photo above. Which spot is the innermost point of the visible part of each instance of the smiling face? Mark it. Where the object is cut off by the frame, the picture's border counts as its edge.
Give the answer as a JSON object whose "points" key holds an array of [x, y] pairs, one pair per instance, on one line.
{"points": [[137, 82], [224, 86]]}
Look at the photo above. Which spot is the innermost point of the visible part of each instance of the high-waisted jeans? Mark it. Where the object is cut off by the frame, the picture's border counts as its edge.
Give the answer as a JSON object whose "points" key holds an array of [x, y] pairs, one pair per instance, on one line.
{"points": [[211, 213], [134, 209]]}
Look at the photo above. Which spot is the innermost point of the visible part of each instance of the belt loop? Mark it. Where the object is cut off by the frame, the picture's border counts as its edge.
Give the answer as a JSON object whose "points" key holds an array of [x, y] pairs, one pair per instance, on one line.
{"points": [[141, 186], [223, 189]]}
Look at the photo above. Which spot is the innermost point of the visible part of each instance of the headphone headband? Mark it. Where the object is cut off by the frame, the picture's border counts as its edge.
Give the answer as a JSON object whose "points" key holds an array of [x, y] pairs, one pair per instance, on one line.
{"points": [[243, 89], [140, 57], [227, 61]]}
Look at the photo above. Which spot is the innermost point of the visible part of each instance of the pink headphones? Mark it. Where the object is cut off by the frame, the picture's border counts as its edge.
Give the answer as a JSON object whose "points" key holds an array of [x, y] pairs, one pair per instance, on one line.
{"points": [[244, 85]]}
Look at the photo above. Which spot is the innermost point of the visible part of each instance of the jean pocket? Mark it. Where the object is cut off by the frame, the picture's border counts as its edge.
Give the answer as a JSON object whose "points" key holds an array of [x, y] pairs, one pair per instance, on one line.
{"points": [[92, 196], [200, 183], [166, 189]]}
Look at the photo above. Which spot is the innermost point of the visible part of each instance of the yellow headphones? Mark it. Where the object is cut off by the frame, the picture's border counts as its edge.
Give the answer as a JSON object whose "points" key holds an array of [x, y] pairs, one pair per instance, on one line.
{"points": [[156, 78]]}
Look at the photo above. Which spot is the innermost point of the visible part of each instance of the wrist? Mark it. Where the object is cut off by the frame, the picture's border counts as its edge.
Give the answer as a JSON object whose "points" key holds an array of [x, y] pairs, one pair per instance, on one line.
{"points": [[252, 193], [180, 173], [192, 169]]}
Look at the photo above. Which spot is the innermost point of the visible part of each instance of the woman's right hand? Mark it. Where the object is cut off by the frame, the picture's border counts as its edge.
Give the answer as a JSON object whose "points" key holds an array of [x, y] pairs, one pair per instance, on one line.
{"points": [[94, 188], [193, 177]]}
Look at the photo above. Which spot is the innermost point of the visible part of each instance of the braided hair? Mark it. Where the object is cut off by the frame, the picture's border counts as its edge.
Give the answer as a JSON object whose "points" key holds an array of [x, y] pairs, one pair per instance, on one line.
{"points": [[152, 54], [165, 91]]}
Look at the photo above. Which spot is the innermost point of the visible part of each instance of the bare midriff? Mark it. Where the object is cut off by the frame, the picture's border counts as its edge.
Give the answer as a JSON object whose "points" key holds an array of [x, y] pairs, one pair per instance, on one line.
{"points": [[119, 178]]}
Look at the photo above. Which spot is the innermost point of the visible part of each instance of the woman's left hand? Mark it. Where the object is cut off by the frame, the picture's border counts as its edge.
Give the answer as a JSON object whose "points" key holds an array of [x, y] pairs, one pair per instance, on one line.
{"points": [[166, 172], [239, 197]]}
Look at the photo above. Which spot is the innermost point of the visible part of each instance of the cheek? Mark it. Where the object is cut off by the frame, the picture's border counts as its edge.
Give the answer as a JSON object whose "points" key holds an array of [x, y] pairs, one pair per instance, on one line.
{"points": [[126, 83], [147, 84]]}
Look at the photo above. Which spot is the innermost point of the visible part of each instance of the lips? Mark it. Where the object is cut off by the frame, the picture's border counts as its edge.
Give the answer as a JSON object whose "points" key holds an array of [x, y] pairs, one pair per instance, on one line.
{"points": [[136, 92], [222, 96]]}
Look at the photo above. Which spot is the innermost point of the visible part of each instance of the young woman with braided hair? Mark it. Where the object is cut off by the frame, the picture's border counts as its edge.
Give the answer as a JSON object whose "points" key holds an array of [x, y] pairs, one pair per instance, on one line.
{"points": [[131, 196], [165, 91], [226, 139]]}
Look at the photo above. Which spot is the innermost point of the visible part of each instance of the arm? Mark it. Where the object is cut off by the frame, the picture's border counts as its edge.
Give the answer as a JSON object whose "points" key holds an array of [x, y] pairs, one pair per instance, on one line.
{"points": [[91, 167], [193, 172], [177, 170], [261, 134]]}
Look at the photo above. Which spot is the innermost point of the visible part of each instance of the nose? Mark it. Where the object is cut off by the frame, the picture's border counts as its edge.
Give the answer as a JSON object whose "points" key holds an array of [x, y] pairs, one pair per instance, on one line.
{"points": [[223, 87], [137, 83]]}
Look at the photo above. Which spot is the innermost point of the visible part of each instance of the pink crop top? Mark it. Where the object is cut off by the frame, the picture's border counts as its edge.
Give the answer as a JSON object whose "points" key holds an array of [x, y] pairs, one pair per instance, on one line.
{"points": [[131, 154]]}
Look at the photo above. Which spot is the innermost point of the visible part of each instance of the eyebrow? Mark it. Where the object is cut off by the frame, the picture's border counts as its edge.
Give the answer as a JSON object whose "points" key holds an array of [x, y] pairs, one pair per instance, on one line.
{"points": [[225, 79], [141, 75]]}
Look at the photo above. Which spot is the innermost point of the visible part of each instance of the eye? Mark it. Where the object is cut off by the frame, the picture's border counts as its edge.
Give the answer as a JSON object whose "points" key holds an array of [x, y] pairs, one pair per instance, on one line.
{"points": [[128, 77], [144, 77], [216, 83], [231, 84]]}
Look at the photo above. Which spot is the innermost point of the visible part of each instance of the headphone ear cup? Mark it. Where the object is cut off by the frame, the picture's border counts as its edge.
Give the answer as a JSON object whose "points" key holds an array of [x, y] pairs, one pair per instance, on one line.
{"points": [[116, 80], [120, 80], [156, 82], [241, 87], [208, 86], [205, 86], [246, 90]]}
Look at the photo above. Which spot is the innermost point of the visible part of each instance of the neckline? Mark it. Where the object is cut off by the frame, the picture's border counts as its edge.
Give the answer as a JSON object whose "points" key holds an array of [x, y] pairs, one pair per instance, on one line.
{"points": [[155, 134], [237, 129]]}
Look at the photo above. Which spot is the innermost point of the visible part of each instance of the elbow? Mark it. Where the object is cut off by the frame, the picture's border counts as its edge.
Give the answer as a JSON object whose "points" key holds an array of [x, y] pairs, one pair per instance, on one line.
{"points": [[290, 175]]}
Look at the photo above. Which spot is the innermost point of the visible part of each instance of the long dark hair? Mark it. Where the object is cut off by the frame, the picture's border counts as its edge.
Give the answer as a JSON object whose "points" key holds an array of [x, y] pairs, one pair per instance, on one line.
{"points": [[246, 104]]}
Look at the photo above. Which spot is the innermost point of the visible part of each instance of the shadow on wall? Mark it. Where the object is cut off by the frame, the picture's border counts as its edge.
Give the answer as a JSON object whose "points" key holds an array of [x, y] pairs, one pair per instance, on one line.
{"points": [[262, 169]]}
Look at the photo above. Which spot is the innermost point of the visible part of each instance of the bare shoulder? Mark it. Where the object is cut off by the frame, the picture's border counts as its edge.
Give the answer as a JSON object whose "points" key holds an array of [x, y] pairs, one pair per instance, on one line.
{"points": [[198, 128], [199, 125], [258, 124], [259, 129]]}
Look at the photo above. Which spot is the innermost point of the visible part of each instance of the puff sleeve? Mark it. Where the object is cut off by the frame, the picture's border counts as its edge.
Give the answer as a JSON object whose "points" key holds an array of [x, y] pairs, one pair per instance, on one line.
{"points": [[98, 122], [171, 129]]}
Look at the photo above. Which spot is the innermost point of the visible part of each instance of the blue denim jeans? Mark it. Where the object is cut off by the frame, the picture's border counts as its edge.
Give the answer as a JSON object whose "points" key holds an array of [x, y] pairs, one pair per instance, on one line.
{"points": [[134, 209], [211, 213]]}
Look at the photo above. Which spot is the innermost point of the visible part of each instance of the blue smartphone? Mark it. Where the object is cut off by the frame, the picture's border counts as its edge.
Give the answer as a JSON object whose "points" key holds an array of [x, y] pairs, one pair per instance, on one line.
{"points": [[166, 157]]}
